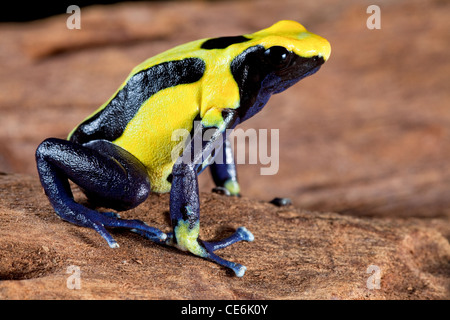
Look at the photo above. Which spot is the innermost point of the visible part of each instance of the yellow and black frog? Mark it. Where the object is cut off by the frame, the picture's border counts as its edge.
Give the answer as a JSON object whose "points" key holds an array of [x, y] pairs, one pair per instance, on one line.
{"points": [[124, 150]]}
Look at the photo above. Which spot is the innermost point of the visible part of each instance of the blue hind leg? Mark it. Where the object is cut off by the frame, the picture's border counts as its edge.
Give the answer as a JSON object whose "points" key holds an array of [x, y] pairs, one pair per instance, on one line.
{"points": [[110, 177]]}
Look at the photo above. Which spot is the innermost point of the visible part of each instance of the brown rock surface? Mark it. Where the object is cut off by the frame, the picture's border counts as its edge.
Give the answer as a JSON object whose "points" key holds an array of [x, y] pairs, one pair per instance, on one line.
{"points": [[367, 136], [296, 254]]}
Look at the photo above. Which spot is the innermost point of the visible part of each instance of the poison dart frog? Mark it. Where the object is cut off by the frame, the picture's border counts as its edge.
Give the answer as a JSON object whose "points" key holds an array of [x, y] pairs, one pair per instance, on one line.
{"points": [[124, 150]]}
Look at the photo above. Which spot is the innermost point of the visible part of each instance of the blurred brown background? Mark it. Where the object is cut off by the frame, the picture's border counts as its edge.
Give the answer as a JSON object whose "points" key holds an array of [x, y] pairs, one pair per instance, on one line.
{"points": [[367, 135]]}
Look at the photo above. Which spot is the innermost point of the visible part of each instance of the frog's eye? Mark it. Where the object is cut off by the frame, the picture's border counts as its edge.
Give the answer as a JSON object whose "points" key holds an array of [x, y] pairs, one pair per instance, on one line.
{"points": [[278, 56]]}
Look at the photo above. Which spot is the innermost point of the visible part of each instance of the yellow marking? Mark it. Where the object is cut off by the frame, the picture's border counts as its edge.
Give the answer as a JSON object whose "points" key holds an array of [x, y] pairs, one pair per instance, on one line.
{"points": [[213, 118], [232, 186], [148, 136], [187, 238], [293, 36]]}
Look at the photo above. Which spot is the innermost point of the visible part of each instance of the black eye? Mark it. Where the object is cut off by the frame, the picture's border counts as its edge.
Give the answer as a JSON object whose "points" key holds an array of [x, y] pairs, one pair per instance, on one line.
{"points": [[278, 56]]}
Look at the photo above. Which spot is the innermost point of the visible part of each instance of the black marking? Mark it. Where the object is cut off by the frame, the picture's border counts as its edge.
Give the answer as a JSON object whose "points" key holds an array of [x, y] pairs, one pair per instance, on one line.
{"points": [[184, 213], [229, 116], [278, 56], [258, 77], [109, 123], [222, 42], [248, 71], [170, 178]]}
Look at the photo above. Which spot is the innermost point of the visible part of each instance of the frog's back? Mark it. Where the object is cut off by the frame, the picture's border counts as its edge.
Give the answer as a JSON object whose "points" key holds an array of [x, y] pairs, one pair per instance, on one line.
{"points": [[169, 69], [143, 113]]}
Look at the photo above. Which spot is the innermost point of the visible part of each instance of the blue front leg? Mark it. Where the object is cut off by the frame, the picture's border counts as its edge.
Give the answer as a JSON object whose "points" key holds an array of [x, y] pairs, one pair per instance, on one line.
{"points": [[223, 171], [185, 216], [185, 208]]}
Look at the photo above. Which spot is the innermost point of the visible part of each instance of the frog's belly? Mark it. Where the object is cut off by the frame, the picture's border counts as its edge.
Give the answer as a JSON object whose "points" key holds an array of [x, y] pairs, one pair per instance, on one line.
{"points": [[154, 134]]}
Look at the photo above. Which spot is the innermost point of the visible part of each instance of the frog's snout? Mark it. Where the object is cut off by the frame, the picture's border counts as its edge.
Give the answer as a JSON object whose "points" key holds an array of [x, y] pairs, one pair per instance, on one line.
{"points": [[317, 46]]}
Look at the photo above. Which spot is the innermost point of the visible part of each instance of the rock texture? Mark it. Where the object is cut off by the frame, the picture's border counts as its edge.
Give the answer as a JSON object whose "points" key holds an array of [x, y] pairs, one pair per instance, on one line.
{"points": [[367, 137], [296, 254]]}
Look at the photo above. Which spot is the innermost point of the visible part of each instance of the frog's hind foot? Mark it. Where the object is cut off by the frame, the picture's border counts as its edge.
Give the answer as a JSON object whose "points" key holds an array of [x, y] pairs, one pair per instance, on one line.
{"points": [[135, 225], [99, 221]]}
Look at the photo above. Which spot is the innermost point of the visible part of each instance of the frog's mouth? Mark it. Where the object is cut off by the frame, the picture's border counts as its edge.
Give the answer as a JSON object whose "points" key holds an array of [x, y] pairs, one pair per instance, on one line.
{"points": [[298, 69], [258, 80]]}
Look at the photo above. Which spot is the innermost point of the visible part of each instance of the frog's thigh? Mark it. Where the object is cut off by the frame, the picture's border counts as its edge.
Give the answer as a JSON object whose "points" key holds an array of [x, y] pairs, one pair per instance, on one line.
{"points": [[127, 184], [107, 173], [110, 176]]}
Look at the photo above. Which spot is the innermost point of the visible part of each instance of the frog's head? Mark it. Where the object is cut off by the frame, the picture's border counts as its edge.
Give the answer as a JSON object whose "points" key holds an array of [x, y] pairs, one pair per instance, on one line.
{"points": [[291, 53], [274, 59], [286, 52]]}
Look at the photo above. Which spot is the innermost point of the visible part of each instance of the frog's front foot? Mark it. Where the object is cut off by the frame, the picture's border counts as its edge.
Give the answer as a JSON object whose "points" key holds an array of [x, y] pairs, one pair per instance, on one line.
{"points": [[183, 240], [230, 188], [241, 234]]}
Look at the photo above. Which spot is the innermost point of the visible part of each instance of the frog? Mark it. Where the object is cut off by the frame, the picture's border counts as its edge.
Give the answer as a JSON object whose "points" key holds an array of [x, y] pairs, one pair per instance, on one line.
{"points": [[124, 150]]}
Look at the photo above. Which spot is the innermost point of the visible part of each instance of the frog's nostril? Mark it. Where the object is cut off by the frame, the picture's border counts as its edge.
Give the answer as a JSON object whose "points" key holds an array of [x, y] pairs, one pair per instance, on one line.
{"points": [[317, 60]]}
